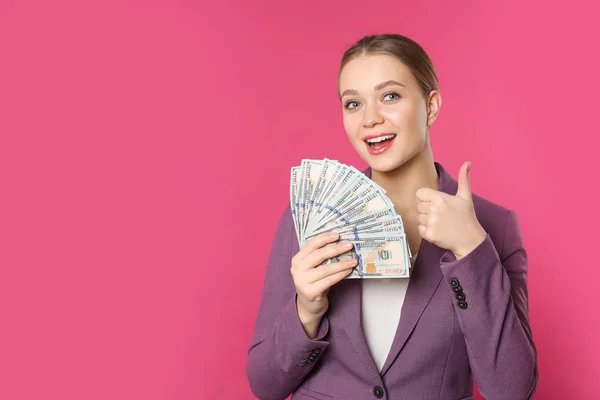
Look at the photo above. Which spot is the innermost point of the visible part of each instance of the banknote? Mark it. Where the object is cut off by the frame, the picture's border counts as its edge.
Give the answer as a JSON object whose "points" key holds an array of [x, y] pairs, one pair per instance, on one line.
{"points": [[382, 256], [329, 196]]}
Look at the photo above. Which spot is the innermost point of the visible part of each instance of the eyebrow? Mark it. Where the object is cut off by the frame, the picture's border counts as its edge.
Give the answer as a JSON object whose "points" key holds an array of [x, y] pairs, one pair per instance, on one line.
{"points": [[378, 87]]}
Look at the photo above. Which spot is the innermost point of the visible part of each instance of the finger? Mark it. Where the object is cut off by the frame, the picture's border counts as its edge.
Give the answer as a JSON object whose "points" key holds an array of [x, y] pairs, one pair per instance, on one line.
{"points": [[327, 282], [422, 231], [464, 184], [327, 270], [316, 243], [427, 194], [423, 219], [317, 257], [423, 207]]}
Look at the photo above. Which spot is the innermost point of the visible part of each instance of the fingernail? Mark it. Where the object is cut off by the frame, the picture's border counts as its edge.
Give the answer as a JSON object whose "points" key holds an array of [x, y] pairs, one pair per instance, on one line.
{"points": [[333, 236], [352, 262], [347, 244]]}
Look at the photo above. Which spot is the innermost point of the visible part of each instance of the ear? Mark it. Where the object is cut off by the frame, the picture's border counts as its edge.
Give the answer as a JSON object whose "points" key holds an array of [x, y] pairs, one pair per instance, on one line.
{"points": [[434, 103]]}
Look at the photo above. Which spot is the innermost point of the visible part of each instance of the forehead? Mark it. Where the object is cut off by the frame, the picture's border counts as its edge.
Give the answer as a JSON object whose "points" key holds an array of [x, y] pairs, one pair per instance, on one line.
{"points": [[365, 72]]}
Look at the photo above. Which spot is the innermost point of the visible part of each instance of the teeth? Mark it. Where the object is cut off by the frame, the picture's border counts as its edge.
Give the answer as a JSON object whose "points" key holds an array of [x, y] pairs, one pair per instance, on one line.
{"points": [[380, 139]]}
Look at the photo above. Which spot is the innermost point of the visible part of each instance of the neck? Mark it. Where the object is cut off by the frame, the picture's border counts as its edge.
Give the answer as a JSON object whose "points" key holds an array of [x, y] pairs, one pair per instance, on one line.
{"points": [[402, 183]]}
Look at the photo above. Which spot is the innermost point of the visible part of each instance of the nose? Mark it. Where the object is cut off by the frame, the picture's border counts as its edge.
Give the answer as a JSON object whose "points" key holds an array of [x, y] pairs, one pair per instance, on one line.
{"points": [[371, 116]]}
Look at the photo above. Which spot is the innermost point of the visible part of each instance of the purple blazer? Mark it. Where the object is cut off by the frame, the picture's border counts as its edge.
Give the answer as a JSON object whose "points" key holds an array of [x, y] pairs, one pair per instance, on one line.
{"points": [[443, 340]]}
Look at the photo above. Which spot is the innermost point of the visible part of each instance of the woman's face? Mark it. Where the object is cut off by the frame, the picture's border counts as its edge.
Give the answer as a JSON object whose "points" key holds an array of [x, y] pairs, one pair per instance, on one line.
{"points": [[385, 113]]}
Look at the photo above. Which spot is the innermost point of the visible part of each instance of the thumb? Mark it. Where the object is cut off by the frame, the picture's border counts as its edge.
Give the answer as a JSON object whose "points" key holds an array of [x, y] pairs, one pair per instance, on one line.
{"points": [[464, 184]]}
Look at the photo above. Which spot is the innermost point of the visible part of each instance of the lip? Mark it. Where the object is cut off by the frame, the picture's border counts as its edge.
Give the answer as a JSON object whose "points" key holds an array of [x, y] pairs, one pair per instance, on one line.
{"points": [[386, 146]]}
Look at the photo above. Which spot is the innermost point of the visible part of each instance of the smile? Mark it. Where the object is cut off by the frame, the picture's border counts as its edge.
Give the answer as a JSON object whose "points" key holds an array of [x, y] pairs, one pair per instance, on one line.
{"points": [[377, 144]]}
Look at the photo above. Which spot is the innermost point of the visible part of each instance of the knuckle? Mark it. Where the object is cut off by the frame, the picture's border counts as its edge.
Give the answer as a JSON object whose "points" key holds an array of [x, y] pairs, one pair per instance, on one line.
{"points": [[311, 295], [426, 233], [295, 279], [343, 267], [323, 237]]}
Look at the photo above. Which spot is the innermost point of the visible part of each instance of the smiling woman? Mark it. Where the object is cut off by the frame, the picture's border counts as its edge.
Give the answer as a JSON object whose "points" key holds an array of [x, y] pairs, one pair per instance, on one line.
{"points": [[462, 314]]}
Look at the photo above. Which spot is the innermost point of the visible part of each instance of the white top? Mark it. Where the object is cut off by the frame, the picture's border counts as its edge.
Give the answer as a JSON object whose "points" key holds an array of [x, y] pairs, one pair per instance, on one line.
{"points": [[381, 303]]}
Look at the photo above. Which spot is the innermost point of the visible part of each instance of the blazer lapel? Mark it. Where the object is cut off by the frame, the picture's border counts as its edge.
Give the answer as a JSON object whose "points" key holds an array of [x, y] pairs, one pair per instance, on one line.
{"points": [[425, 279], [347, 294]]}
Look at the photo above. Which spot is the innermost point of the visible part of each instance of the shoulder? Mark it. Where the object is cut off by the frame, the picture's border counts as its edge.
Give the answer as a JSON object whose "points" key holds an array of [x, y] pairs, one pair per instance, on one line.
{"points": [[494, 215], [285, 240], [286, 222], [500, 222]]}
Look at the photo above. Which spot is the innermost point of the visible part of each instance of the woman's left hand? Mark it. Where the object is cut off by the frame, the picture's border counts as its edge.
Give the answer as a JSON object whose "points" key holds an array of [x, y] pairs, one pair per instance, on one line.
{"points": [[449, 221]]}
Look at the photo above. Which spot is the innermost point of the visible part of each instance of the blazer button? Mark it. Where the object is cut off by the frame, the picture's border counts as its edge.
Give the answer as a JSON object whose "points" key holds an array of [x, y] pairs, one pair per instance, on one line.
{"points": [[460, 297], [378, 392], [454, 282], [457, 289], [462, 305]]}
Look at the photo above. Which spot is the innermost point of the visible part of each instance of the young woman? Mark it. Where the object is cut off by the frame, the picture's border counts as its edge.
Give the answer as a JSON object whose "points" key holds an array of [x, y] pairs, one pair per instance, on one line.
{"points": [[463, 313]]}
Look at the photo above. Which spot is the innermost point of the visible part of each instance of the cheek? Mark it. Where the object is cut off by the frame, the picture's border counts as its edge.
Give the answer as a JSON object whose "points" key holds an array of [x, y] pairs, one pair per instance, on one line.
{"points": [[351, 124], [406, 117]]}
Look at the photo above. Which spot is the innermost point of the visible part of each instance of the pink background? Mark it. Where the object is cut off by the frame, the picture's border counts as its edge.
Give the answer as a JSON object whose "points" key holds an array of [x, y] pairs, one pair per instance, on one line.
{"points": [[144, 162]]}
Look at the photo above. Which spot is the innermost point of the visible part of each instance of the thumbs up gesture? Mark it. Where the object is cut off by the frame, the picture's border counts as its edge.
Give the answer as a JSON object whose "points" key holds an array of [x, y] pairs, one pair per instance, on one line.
{"points": [[449, 221]]}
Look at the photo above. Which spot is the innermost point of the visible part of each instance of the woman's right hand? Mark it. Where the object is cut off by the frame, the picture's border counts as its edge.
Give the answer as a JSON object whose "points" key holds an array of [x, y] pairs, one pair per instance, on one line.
{"points": [[313, 280]]}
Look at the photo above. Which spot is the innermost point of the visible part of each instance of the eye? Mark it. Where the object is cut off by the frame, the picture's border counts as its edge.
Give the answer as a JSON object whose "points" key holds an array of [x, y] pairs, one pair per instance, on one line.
{"points": [[391, 96], [351, 105]]}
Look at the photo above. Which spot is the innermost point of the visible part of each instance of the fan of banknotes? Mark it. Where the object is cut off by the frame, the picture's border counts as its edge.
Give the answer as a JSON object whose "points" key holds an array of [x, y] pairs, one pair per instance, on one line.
{"points": [[328, 196]]}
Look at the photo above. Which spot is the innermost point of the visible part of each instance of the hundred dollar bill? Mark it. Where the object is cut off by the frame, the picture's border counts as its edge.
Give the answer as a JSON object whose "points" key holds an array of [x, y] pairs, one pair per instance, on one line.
{"points": [[322, 178], [332, 179], [306, 188], [339, 187], [382, 190], [372, 227], [373, 233], [368, 200], [338, 184], [294, 180], [383, 257], [335, 204], [358, 222], [310, 166], [378, 257]]}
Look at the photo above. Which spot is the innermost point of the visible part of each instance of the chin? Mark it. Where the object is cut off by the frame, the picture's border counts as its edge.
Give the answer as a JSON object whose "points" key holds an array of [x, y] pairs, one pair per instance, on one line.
{"points": [[384, 163], [385, 166], [400, 153]]}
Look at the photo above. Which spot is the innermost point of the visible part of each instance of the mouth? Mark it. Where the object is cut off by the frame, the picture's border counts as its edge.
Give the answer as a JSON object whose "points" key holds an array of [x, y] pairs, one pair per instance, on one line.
{"points": [[380, 143]]}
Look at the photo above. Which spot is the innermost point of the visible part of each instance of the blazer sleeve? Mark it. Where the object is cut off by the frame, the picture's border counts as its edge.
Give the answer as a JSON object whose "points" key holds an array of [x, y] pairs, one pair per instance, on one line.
{"points": [[281, 355], [491, 304]]}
